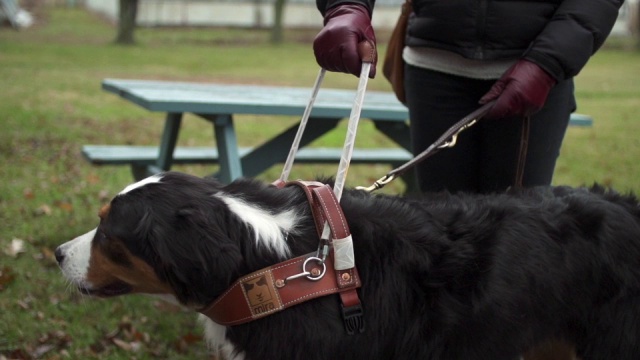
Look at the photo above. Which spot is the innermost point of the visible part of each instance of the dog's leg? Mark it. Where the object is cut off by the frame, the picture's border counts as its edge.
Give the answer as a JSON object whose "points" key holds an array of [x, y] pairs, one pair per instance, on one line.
{"points": [[551, 350]]}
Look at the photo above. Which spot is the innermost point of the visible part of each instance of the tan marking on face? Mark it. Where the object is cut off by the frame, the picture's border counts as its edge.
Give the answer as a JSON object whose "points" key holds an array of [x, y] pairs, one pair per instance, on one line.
{"points": [[104, 211], [138, 274]]}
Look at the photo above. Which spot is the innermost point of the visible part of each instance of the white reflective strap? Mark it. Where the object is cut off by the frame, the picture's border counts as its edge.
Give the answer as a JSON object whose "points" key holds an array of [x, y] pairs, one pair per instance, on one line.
{"points": [[343, 254], [288, 164], [352, 128]]}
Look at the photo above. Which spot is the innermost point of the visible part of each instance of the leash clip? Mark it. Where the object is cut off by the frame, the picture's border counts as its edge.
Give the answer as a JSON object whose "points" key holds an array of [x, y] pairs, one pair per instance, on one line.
{"points": [[454, 138], [323, 250], [379, 184]]}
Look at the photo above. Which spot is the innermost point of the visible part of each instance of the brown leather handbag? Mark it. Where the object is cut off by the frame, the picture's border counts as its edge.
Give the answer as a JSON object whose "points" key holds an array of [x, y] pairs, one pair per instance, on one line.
{"points": [[393, 65]]}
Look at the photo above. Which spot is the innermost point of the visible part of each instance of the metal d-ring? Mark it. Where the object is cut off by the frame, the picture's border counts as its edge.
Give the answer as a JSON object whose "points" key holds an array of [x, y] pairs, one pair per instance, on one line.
{"points": [[310, 275]]}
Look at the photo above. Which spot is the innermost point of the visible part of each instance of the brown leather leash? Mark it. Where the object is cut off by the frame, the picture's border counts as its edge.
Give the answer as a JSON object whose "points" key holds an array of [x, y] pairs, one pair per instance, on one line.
{"points": [[447, 140]]}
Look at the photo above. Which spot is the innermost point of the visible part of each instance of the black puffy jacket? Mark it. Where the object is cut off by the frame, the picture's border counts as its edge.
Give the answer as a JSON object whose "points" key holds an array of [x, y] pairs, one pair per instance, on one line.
{"points": [[558, 35]]}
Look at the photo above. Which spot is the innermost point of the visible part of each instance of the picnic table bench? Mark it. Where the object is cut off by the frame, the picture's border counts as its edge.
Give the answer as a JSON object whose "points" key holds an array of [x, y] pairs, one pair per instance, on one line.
{"points": [[219, 103]]}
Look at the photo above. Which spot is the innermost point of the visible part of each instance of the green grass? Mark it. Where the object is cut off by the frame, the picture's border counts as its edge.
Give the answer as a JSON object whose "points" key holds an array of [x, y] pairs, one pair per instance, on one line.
{"points": [[51, 103]]}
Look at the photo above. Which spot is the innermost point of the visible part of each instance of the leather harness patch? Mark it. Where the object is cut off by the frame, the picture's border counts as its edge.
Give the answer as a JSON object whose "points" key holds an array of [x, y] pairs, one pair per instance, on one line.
{"points": [[261, 294]]}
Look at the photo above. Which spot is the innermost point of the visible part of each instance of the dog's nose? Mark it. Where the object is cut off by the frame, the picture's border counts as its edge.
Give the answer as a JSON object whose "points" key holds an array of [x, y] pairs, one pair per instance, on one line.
{"points": [[59, 255]]}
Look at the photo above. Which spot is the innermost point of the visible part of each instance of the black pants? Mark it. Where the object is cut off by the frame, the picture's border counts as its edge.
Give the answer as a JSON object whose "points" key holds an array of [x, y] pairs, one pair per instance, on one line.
{"points": [[485, 158]]}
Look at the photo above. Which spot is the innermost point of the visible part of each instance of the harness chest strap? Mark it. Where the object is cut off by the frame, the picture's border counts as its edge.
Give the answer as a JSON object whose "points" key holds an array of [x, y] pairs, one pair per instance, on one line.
{"points": [[325, 205], [267, 291], [326, 208]]}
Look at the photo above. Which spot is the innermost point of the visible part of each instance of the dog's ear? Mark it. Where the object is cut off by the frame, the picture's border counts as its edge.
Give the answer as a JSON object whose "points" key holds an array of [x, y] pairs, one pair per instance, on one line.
{"points": [[197, 254]]}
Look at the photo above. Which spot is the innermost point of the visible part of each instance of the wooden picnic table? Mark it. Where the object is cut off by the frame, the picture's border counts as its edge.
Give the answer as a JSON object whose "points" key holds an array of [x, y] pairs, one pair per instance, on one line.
{"points": [[219, 103]]}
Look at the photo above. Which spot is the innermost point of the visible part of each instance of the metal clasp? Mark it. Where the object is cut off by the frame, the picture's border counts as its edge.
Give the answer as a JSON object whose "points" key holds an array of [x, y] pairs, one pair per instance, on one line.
{"points": [[454, 138], [379, 184], [313, 275]]}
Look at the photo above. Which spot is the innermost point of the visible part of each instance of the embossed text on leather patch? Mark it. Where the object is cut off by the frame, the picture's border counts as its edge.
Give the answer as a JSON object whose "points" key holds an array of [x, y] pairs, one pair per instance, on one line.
{"points": [[261, 294]]}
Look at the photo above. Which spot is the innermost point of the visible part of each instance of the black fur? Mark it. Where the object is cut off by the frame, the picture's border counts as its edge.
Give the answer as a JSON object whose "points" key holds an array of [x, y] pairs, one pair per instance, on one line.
{"points": [[444, 276]]}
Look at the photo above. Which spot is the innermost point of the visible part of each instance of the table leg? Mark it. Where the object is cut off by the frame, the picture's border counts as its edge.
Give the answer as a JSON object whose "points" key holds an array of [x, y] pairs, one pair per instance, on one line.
{"points": [[396, 131], [227, 143], [167, 146], [276, 150], [168, 141]]}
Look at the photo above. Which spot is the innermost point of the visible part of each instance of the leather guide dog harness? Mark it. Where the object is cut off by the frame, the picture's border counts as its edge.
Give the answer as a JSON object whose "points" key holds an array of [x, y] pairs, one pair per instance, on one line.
{"points": [[332, 269], [297, 280]]}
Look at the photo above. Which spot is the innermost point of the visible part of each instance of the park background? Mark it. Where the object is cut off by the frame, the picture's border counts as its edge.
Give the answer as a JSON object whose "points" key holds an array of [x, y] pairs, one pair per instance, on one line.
{"points": [[51, 104]]}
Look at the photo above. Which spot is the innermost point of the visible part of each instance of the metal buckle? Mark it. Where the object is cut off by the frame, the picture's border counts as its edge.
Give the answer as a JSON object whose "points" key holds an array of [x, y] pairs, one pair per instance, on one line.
{"points": [[353, 319]]}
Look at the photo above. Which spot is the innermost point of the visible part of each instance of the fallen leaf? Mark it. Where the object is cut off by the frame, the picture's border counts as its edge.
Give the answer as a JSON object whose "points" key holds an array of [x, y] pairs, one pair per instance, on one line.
{"points": [[54, 299], [121, 344], [191, 338], [6, 277], [15, 248], [185, 342], [104, 195], [97, 347], [53, 341], [23, 305], [93, 178], [18, 354], [43, 209], [112, 334], [126, 346], [135, 346], [68, 207], [28, 194], [48, 254], [42, 349]]}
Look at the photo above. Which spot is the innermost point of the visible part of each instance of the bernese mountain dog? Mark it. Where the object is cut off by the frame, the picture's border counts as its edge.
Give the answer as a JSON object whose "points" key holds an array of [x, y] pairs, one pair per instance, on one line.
{"points": [[444, 276]]}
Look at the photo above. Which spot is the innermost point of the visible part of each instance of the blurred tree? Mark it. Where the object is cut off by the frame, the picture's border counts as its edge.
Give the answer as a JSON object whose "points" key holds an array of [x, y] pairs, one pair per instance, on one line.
{"points": [[127, 22], [637, 24], [278, 15], [258, 21]]}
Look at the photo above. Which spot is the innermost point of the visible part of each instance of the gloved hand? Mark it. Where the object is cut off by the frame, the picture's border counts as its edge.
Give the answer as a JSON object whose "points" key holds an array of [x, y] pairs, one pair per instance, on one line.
{"points": [[521, 91], [336, 45]]}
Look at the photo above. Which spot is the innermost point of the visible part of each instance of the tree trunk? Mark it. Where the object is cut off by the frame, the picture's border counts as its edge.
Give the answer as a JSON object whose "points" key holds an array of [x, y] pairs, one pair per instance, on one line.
{"points": [[637, 24], [258, 21], [278, 14], [127, 22]]}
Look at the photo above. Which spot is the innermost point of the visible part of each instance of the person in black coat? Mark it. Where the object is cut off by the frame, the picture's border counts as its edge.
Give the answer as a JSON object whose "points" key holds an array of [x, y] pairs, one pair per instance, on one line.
{"points": [[461, 53]]}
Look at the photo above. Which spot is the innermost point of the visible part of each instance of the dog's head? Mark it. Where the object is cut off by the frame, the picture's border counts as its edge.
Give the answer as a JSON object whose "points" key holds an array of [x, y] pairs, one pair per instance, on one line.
{"points": [[170, 234]]}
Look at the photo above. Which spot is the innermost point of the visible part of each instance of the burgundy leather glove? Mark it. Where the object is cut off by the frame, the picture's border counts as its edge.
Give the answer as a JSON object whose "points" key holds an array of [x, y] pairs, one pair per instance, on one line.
{"points": [[336, 45], [521, 91]]}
